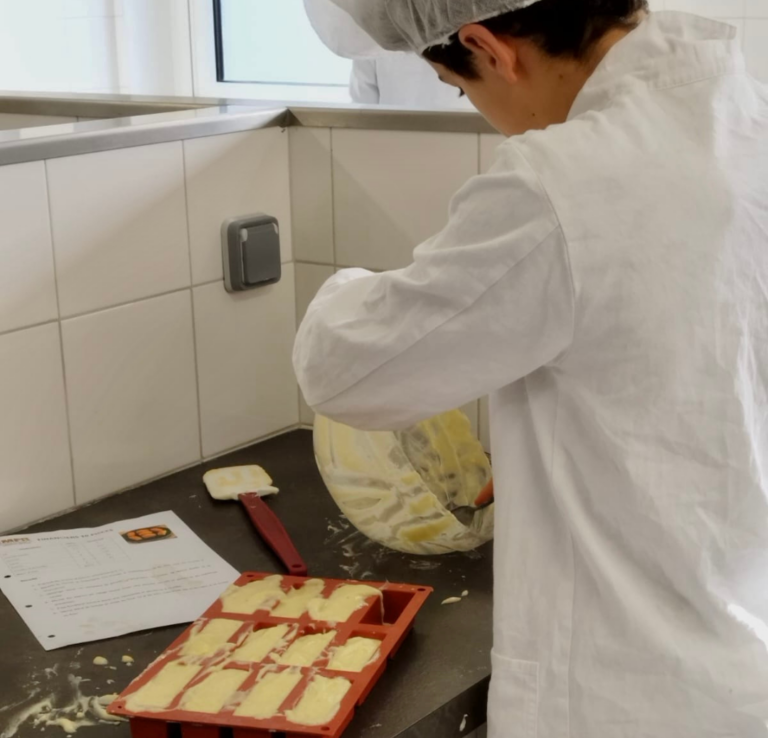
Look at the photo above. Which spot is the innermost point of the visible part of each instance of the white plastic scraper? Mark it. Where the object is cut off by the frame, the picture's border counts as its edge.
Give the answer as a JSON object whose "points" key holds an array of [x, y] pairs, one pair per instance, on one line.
{"points": [[249, 484], [229, 484]]}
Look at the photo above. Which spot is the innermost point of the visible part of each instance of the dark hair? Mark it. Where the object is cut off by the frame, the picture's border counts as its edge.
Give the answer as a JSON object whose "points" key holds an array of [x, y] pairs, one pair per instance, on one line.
{"points": [[561, 28]]}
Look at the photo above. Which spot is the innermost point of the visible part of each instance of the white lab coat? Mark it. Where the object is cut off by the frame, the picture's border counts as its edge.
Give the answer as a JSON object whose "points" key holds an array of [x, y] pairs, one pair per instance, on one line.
{"points": [[402, 80], [607, 282]]}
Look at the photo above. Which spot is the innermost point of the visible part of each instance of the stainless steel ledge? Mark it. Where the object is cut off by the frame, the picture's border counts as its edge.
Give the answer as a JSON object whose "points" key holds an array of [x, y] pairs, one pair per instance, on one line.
{"points": [[125, 121]]}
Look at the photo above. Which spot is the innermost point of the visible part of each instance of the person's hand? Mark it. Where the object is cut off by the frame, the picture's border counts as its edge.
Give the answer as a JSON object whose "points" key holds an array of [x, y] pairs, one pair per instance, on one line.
{"points": [[486, 494]]}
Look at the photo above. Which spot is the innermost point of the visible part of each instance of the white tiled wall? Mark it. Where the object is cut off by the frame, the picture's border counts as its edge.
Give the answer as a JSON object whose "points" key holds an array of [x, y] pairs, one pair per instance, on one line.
{"points": [[27, 286], [130, 374], [244, 345], [118, 361], [309, 279], [312, 195], [392, 190], [354, 196], [237, 174], [119, 226], [35, 466]]}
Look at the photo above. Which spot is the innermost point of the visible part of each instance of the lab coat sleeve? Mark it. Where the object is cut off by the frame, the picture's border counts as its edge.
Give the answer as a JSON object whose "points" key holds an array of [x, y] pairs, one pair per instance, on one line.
{"points": [[363, 84], [487, 301]]}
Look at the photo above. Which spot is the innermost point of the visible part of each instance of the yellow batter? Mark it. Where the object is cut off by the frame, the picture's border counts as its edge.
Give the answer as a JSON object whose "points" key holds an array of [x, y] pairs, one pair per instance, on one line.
{"points": [[266, 697], [260, 595], [159, 692], [355, 654], [306, 650], [399, 488], [320, 702], [211, 638], [261, 642], [212, 694], [342, 603], [295, 603]]}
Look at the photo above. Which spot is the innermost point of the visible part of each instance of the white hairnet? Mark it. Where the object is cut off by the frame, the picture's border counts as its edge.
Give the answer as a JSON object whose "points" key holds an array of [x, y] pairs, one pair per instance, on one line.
{"points": [[353, 28]]}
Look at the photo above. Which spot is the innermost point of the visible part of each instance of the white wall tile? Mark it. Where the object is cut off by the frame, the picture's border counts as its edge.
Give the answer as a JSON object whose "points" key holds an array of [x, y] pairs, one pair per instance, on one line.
{"points": [[132, 393], [119, 226], [35, 468], [756, 47], [392, 191], [244, 347], [234, 175], [756, 9], [309, 279], [489, 142], [484, 431], [311, 194], [306, 413], [471, 410], [27, 286]]}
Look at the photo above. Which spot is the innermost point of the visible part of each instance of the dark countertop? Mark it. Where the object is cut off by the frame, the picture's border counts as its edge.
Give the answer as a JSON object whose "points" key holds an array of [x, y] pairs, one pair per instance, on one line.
{"points": [[440, 674]]}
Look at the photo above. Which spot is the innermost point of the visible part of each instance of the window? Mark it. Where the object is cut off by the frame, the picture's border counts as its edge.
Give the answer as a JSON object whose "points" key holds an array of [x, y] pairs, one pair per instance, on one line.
{"points": [[272, 42]]}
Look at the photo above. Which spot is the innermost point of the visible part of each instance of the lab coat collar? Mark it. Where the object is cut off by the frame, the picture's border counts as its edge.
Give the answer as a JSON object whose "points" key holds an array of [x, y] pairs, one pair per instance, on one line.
{"points": [[668, 49]]}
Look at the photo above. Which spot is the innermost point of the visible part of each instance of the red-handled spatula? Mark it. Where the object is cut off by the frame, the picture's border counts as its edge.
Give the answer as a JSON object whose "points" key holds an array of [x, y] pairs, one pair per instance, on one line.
{"points": [[249, 484]]}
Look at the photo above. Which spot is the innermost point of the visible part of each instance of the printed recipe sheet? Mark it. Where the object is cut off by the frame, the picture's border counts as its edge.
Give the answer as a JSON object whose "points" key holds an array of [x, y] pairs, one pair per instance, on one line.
{"points": [[86, 584]]}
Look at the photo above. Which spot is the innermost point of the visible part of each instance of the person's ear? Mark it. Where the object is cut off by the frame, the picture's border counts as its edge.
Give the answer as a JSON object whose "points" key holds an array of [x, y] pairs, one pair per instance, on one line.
{"points": [[491, 53]]}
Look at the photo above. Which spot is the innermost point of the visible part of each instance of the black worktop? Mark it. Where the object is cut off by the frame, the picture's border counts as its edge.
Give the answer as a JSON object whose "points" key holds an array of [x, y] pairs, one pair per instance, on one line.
{"points": [[439, 676]]}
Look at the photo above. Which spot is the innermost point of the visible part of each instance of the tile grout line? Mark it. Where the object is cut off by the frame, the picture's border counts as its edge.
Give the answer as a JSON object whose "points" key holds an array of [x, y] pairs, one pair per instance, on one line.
{"points": [[313, 263], [248, 444], [295, 261], [30, 327], [138, 300], [61, 336], [192, 302]]}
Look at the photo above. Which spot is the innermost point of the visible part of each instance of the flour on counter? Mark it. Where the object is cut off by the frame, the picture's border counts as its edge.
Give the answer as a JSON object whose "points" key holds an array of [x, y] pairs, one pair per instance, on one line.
{"points": [[81, 711]]}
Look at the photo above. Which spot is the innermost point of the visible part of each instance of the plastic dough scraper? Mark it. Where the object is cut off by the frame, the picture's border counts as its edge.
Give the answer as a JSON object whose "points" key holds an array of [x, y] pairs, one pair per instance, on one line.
{"points": [[249, 484]]}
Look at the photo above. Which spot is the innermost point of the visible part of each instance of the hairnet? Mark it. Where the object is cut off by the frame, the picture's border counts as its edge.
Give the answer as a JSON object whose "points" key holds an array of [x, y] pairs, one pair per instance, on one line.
{"points": [[353, 28]]}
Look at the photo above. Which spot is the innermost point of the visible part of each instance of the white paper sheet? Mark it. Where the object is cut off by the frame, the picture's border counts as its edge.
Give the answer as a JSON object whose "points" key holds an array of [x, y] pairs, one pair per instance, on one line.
{"points": [[86, 584]]}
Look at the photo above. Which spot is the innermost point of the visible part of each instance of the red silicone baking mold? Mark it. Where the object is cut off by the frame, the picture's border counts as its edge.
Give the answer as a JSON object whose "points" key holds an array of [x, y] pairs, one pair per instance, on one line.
{"points": [[389, 620]]}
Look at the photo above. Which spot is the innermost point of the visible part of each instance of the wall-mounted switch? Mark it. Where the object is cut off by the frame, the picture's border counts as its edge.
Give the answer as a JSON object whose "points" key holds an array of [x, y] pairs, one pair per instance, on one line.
{"points": [[251, 251]]}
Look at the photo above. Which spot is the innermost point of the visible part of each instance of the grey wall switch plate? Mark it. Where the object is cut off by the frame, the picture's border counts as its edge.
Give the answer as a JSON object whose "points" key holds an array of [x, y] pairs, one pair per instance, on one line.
{"points": [[251, 250]]}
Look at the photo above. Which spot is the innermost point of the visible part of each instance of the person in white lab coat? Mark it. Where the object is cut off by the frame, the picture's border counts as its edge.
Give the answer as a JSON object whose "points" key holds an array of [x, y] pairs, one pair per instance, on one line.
{"points": [[607, 282], [403, 80]]}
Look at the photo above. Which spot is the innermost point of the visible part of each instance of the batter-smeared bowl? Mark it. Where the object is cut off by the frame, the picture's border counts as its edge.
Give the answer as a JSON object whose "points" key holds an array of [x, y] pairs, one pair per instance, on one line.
{"points": [[398, 487]]}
